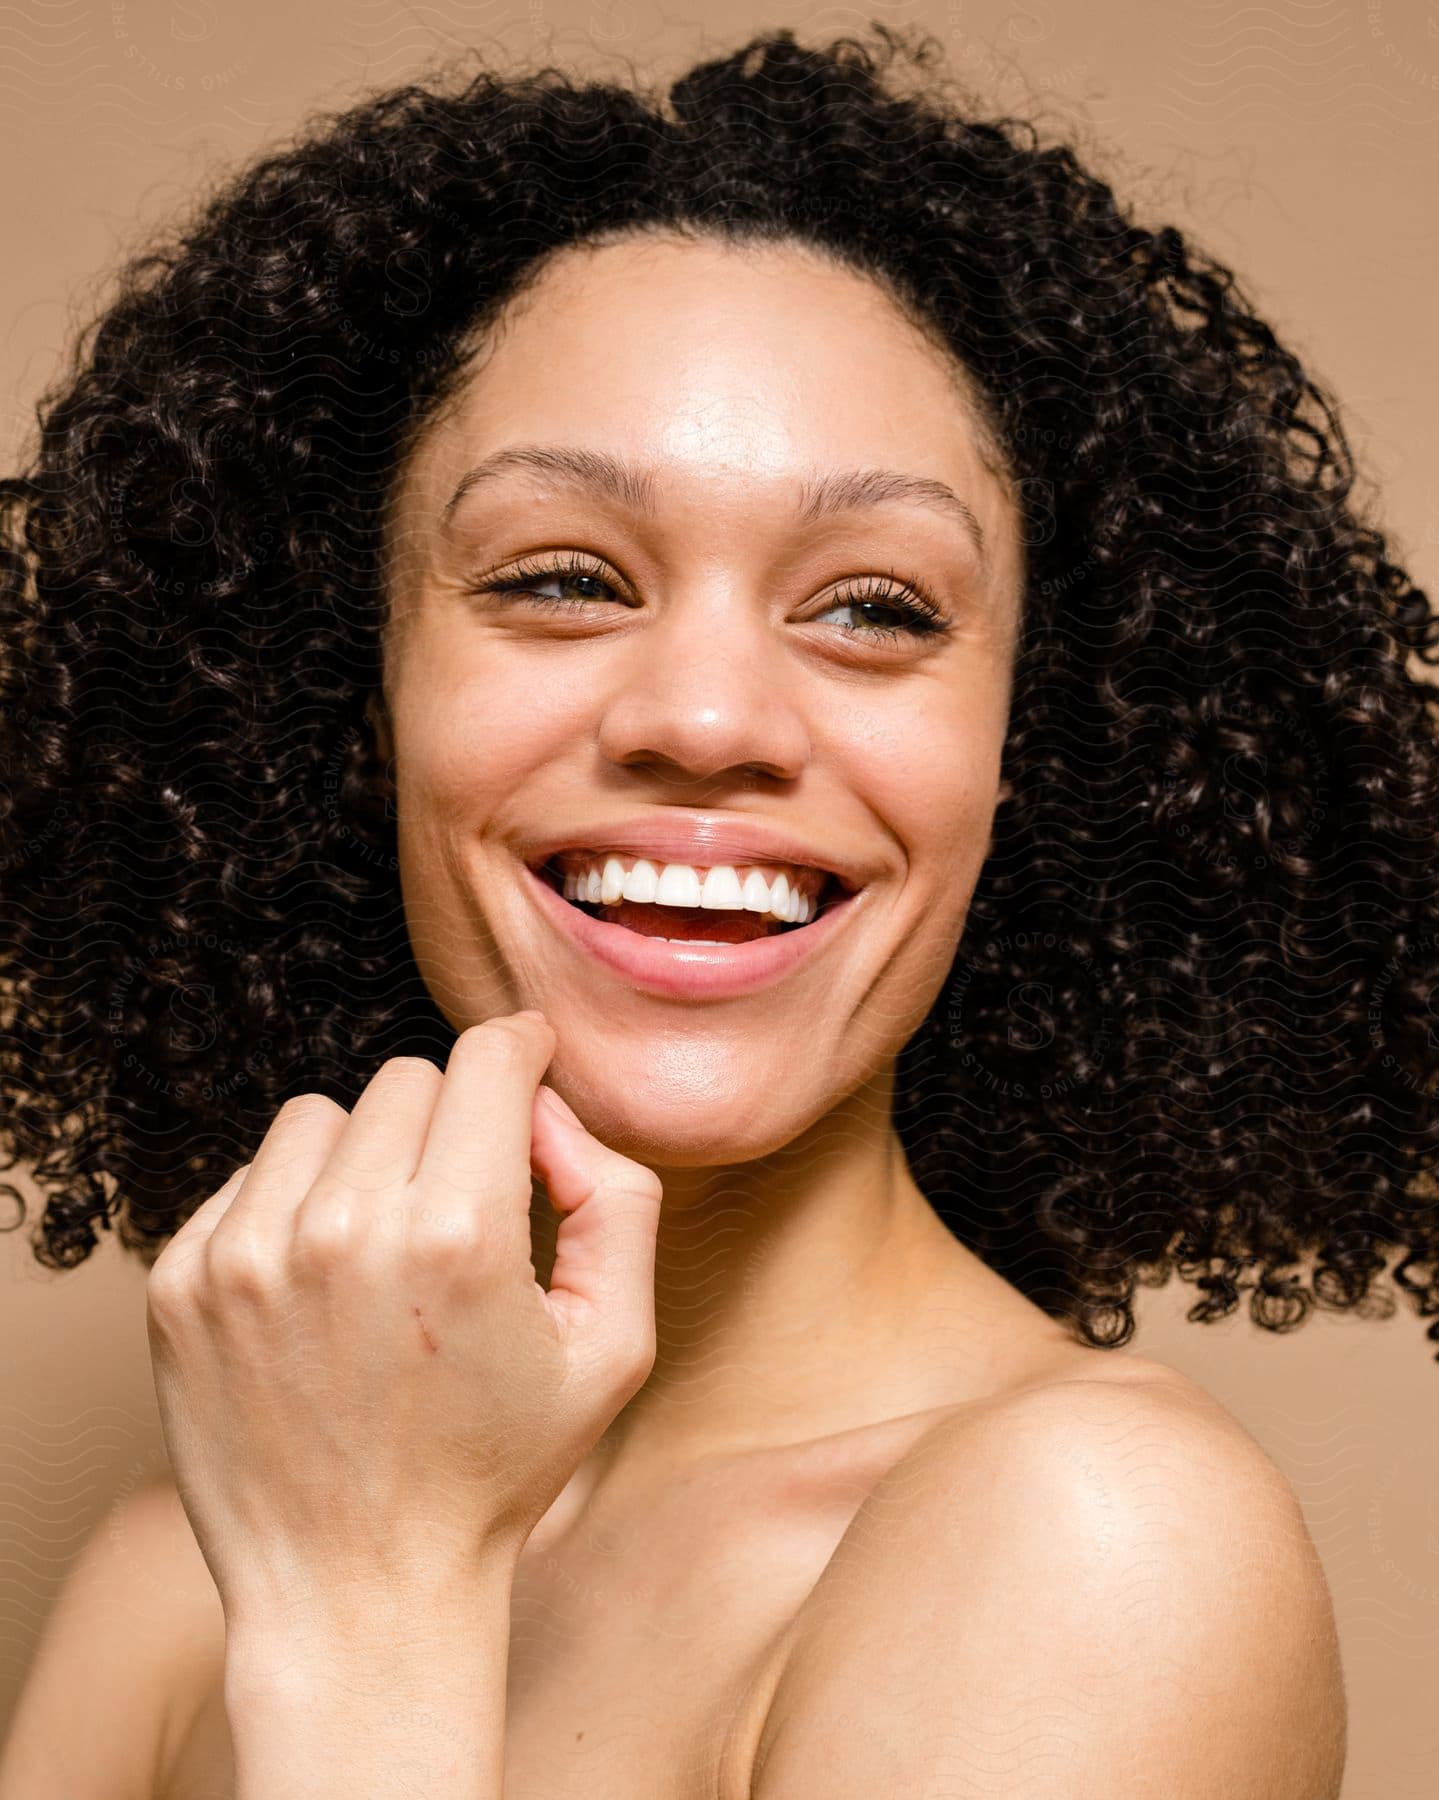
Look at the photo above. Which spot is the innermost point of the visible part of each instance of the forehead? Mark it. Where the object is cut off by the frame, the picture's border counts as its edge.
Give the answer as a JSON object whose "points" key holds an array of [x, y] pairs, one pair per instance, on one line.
{"points": [[732, 370]]}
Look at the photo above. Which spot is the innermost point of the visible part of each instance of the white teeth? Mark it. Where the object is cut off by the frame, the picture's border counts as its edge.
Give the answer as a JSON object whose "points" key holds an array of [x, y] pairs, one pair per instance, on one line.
{"points": [[755, 892], [612, 886], [642, 882], [721, 889], [680, 884]]}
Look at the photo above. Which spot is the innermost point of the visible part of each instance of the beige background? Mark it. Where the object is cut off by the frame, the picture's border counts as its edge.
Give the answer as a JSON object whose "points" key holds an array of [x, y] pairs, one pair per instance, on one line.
{"points": [[1299, 139]]}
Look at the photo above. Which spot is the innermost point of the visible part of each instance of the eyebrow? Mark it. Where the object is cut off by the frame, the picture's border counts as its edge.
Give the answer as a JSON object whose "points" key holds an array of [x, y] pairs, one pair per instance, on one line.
{"points": [[598, 472]]}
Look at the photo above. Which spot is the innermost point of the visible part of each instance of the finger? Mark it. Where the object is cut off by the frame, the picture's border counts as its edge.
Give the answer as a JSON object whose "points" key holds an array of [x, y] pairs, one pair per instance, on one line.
{"points": [[603, 1280], [291, 1155], [379, 1149], [477, 1152], [197, 1230]]}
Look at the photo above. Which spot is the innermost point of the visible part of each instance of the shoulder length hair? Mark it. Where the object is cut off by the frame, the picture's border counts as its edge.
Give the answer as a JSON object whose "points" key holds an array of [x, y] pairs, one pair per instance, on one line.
{"points": [[1191, 1021]]}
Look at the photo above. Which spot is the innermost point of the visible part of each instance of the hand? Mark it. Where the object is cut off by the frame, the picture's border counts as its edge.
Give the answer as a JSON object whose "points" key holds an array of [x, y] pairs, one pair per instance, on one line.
{"points": [[361, 1382]]}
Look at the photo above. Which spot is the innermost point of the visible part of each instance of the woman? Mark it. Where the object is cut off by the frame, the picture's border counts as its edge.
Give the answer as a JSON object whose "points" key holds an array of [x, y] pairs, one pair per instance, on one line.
{"points": [[774, 723]]}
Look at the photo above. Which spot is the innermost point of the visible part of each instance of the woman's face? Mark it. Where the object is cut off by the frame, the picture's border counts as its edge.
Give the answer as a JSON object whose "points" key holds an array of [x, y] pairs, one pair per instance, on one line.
{"points": [[700, 672]]}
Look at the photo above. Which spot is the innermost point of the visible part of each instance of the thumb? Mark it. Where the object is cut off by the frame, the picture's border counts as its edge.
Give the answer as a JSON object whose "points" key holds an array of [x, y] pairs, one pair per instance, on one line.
{"points": [[602, 1284]]}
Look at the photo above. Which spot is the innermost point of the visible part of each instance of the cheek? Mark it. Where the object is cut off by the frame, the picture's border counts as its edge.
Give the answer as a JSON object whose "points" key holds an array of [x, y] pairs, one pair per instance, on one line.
{"points": [[469, 743], [933, 778]]}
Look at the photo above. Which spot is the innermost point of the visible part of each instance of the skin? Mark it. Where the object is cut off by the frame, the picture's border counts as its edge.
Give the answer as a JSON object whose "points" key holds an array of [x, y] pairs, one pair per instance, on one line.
{"points": [[733, 687]]}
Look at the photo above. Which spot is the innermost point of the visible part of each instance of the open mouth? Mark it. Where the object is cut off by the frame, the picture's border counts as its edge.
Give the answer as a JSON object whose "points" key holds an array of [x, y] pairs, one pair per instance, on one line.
{"points": [[695, 924]]}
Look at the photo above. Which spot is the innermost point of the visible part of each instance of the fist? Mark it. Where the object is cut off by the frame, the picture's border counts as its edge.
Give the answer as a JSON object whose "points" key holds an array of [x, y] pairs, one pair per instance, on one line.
{"points": [[360, 1379]]}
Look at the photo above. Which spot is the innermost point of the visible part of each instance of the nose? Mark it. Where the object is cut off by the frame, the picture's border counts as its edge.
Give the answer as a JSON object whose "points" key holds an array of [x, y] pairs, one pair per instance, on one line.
{"points": [[698, 710]]}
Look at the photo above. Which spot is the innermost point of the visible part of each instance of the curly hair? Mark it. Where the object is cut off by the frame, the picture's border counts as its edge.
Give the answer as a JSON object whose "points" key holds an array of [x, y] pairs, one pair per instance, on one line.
{"points": [[1189, 1024]]}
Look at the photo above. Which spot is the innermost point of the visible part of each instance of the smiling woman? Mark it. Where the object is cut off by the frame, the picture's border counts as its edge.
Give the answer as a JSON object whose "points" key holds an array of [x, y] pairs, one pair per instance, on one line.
{"points": [[786, 582]]}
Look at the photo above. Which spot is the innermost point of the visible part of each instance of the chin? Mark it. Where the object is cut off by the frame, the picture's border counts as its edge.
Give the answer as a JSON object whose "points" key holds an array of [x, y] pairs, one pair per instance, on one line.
{"points": [[690, 1134]]}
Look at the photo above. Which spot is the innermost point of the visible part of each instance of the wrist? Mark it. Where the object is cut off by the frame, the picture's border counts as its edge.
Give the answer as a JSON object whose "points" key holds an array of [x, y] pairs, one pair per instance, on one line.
{"points": [[335, 1630], [381, 1692]]}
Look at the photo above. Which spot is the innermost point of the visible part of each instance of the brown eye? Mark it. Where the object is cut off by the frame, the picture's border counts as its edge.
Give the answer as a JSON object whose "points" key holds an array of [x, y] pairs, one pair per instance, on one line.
{"points": [[576, 573], [917, 616]]}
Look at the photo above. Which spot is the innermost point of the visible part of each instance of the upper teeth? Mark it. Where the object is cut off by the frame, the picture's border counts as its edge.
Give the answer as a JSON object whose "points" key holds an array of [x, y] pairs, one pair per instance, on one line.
{"points": [[603, 881]]}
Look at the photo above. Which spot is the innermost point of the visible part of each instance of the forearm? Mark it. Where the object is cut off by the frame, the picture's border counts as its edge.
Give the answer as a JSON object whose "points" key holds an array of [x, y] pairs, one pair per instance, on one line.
{"points": [[390, 1696]]}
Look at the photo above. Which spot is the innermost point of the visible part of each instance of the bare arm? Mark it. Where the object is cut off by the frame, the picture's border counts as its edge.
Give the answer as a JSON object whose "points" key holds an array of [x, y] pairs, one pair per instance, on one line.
{"points": [[388, 1695]]}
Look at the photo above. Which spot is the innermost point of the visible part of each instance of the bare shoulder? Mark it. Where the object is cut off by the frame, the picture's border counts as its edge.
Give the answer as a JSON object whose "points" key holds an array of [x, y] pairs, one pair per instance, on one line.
{"points": [[185, 1598], [1105, 1401], [136, 1622], [1094, 1582], [1112, 1453], [153, 1524], [195, 1618]]}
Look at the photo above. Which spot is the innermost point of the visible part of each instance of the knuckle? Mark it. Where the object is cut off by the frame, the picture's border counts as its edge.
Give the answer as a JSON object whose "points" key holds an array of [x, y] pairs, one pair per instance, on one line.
{"points": [[168, 1285], [629, 1189], [437, 1235], [632, 1356], [644, 1186], [409, 1071], [239, 1266], [324, 1238], [308, 1109]]}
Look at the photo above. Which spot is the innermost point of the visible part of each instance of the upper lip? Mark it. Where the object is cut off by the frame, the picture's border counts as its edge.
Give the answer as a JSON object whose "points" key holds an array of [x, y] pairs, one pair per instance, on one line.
{"points": [[702, 841]]}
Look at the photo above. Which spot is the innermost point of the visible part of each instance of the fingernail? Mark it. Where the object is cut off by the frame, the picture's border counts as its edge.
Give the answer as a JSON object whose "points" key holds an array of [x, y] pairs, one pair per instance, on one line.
{"points": [[530, 1012], [558, 1107]]}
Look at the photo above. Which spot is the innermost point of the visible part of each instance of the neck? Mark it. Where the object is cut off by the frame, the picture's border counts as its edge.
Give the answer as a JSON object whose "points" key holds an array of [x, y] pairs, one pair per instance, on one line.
{"points": [[803, 1294]]}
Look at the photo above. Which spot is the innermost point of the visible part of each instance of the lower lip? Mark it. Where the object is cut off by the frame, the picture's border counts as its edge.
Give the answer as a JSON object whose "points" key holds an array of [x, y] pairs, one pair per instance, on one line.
{"points": [[691, 971]]}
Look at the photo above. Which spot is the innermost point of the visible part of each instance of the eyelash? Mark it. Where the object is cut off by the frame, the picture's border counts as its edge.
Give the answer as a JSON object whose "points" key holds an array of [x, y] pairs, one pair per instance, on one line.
{"points": [[922, 617]]}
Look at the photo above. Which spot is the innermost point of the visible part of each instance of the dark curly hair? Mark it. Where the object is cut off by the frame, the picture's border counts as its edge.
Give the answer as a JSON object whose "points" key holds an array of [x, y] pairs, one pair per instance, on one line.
{"points": [[1190, 1021]]}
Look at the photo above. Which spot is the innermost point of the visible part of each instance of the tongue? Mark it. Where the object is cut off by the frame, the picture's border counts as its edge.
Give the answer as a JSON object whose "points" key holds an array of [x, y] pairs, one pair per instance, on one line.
{"points": [[689, 922]]}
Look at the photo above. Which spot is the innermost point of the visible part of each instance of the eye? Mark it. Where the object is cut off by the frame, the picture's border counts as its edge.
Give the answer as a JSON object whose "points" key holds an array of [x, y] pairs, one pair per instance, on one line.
{"points": [[573, 571], [915, 615]]}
